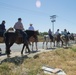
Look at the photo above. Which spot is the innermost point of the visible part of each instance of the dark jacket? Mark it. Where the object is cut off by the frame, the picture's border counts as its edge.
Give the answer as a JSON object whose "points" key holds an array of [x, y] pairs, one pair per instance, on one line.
{"points": [[2, 27]]}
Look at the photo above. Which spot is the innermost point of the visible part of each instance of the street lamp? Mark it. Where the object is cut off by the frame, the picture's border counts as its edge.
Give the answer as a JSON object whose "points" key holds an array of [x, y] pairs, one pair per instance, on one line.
{"points": [[53, 17]]}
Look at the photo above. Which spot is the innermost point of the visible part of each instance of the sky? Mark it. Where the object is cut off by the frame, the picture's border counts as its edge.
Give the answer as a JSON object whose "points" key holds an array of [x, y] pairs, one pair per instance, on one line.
{"points": [[65, 11]]}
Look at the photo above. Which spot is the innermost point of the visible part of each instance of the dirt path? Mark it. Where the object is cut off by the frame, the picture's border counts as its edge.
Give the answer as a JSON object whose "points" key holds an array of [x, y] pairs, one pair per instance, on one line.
{"points": [[14, 54]]}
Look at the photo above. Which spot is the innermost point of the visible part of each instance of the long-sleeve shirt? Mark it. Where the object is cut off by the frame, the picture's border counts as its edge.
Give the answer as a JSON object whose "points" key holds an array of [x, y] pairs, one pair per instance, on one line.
{"points": [[2, 27]]}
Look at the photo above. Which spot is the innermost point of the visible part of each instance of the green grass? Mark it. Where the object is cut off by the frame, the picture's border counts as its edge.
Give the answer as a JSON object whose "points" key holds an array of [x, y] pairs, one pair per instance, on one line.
{"points": [[74, 49]]}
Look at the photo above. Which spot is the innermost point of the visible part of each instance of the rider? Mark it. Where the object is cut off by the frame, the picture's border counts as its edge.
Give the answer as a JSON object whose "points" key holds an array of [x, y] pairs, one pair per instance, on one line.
{"points": [[31, 27], [2, 28], [19, 27], [57, 32], [50, 33], [65, 32]]}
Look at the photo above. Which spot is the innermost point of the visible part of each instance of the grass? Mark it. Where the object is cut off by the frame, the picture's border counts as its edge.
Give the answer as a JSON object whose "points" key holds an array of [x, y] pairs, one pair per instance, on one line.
{"points": [[40, 38], [60, 58]]}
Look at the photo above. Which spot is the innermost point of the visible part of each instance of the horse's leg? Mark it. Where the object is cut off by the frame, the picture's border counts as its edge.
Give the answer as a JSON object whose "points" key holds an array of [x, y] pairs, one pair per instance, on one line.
{"points": [[7, 49], [46, 44], [57, 43], [32, 46], [50, 44], [11, 45], [62, 43], [28, 48], [24, 47], [54, 43], [36, 46], [43, 44]]}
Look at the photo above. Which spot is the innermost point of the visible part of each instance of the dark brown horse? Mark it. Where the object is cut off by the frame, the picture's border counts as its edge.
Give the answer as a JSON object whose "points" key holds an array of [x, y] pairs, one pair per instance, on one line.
{"points": [[15, 37]]}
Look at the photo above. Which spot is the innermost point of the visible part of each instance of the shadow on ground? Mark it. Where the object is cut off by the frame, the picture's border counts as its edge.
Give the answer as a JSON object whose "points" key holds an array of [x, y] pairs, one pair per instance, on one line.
{"points": [[16, 60]]}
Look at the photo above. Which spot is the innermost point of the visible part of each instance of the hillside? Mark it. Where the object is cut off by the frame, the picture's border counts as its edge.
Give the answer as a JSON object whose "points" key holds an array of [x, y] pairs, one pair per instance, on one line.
{"points": [[58, 58]]}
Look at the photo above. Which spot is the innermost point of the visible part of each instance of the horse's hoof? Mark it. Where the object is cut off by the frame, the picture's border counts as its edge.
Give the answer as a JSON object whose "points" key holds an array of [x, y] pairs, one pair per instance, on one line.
{"points": [[29, 52], [22, 55], [8, 56]]}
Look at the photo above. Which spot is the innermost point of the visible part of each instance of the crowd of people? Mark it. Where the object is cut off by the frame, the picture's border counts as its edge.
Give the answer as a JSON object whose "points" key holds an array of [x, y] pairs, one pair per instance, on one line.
{"points": [[65, 32], [19, 27]]}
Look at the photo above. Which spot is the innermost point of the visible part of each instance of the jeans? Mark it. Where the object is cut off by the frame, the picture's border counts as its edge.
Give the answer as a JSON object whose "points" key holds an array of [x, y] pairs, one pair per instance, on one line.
{"points": [[24, 35]]}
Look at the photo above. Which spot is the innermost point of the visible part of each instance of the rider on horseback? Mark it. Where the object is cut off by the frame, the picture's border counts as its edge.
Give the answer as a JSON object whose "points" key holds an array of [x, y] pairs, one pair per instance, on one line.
{"points": [[19, 28], [31, 27], [57, 32], [64, 33], [2, 28], [50, 34]]}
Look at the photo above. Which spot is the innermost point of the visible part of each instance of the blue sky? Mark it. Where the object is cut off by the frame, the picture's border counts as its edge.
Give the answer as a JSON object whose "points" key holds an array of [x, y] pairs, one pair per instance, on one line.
{"points": [[11, 10]]}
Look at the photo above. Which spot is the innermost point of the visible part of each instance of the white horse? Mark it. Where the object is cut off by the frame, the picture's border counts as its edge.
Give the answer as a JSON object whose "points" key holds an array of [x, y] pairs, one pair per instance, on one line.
{"points": [[46, 40]]}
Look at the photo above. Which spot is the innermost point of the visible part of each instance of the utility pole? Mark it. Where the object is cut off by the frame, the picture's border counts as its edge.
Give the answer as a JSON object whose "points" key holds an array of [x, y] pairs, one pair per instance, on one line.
{"points": [[53, 19]]}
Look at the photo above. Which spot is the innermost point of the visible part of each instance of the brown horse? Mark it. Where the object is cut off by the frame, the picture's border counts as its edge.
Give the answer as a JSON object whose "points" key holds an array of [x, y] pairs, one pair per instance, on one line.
{"points": [[15, 37], [57, 39], [34, 39]]}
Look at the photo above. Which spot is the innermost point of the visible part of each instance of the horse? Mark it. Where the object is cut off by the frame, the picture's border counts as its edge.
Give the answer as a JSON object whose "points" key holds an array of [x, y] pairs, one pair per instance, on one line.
{"points": [[47, 38], [34, 39], [71, 38], [57, 39], [64, 40], [14, 37]]}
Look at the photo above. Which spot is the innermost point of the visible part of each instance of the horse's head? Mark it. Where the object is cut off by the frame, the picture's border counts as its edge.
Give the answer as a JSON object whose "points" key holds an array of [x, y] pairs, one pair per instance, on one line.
{"points": [[33, 34], [36, 32]]}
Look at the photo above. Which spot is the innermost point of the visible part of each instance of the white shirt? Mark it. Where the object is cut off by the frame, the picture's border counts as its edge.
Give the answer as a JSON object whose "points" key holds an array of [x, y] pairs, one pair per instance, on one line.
{"points": [[31, 28], [57, 33]]}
